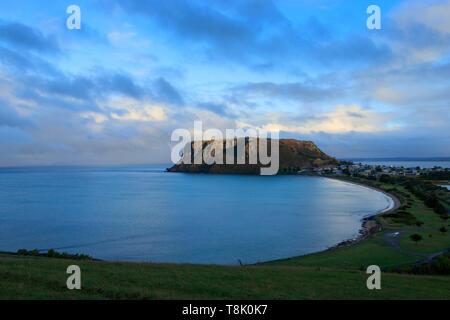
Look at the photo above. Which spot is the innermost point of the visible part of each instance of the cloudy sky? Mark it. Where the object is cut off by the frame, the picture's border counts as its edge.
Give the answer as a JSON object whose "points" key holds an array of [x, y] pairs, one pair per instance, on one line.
{"points": [[113, 92]]}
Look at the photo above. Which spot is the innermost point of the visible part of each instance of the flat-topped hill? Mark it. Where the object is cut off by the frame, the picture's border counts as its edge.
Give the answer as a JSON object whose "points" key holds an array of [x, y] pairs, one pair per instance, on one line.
{"points": [[293, 155]]}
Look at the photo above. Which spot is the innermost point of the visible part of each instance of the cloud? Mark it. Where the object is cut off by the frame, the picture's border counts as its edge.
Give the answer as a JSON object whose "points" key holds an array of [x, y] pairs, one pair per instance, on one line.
{"points": [[253, 33], [119, 83], [432, 14], [24, 37], [217, 108], [298, 91], [342, 119], [116, 37], [19, 62], [9, 117], [165, 92], [131, 110]]}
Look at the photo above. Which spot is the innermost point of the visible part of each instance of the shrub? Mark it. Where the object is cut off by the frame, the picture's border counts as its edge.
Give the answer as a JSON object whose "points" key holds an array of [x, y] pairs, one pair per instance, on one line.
{"points": [[54, 254], [440, 266], [22, 252]]}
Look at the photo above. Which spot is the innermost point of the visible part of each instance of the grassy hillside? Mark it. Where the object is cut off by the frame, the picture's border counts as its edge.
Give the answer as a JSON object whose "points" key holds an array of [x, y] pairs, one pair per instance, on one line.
{"points": [[372, 251], [45, 278]]}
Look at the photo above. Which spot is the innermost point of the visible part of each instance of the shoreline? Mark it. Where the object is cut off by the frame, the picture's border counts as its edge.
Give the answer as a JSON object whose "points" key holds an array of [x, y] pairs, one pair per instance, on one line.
{"points": [[369, 226], [396, 201]]}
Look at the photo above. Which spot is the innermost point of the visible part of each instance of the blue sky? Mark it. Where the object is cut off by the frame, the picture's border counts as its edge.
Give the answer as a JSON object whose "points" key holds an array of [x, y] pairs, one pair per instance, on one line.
{"points": [[113, 92]]}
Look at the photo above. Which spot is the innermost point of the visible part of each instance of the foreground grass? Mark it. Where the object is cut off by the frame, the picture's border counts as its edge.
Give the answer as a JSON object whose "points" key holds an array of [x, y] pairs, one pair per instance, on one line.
{"points": [[45, 278], [373, 251]]}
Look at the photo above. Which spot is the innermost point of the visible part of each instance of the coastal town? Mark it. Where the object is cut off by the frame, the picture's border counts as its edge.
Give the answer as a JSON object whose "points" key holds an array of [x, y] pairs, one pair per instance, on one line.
{"points": [[375, 171]]}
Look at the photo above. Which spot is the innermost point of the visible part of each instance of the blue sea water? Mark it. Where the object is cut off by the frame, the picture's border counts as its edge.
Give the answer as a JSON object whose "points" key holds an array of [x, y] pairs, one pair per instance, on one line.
{"points": [[146, 214]]}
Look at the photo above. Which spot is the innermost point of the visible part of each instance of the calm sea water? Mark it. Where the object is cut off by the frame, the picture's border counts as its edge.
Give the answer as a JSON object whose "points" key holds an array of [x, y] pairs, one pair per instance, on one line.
{"points": [[146, 214]]}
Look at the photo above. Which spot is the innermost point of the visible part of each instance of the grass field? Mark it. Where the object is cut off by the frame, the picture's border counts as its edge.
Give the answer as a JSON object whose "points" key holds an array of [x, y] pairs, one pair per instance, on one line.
{"points": [[372, 251], [437, 242], [45, 278], [333, 274]]}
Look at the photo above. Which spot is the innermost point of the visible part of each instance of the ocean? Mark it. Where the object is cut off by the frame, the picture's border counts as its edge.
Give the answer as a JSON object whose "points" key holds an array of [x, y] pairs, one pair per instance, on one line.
{"points": [[141, 213]]}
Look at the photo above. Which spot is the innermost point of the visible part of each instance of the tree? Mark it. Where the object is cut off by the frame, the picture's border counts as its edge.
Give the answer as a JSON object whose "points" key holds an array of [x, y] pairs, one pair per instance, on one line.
{"points": [[439, 209], [443, 230], [416, 238]]}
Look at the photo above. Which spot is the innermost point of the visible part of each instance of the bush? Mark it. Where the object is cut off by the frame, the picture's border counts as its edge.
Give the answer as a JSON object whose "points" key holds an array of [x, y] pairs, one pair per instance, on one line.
{"points": [[439, 266], [54, 254], [22, 252]]}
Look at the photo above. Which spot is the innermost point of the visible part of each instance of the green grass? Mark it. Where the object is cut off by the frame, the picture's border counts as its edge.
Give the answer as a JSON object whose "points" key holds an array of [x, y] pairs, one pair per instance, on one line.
{"points": [[372, 251], [417, 209], [437, 243], [45, 278]]}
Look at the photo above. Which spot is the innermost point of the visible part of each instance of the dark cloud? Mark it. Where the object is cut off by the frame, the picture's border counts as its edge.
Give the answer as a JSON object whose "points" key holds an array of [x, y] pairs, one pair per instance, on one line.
{"points": [[24, 62], [12, 59], [48, 102], [24, 37], [397, 143], [165, 92], [234, 30], [217, 108], [255, 33], [357, 49], [355, 115], [10, 118], [120, 83], [82, 92], [299, 91]]}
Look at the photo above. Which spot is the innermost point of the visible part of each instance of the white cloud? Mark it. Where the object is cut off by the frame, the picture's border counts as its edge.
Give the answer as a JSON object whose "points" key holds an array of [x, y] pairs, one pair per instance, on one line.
{"points": [[145, 113], [116, 37], [97, 117], [128, 109], [432, 14], [342, 119]]}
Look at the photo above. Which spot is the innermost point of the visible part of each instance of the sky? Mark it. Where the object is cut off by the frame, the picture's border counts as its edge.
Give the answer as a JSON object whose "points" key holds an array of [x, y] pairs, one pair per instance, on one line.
{"points": [[112, 92]]}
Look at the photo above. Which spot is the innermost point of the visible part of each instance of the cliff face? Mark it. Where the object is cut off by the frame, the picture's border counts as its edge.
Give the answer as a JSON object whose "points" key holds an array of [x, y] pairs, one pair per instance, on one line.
{"points": [[294, 154]]}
